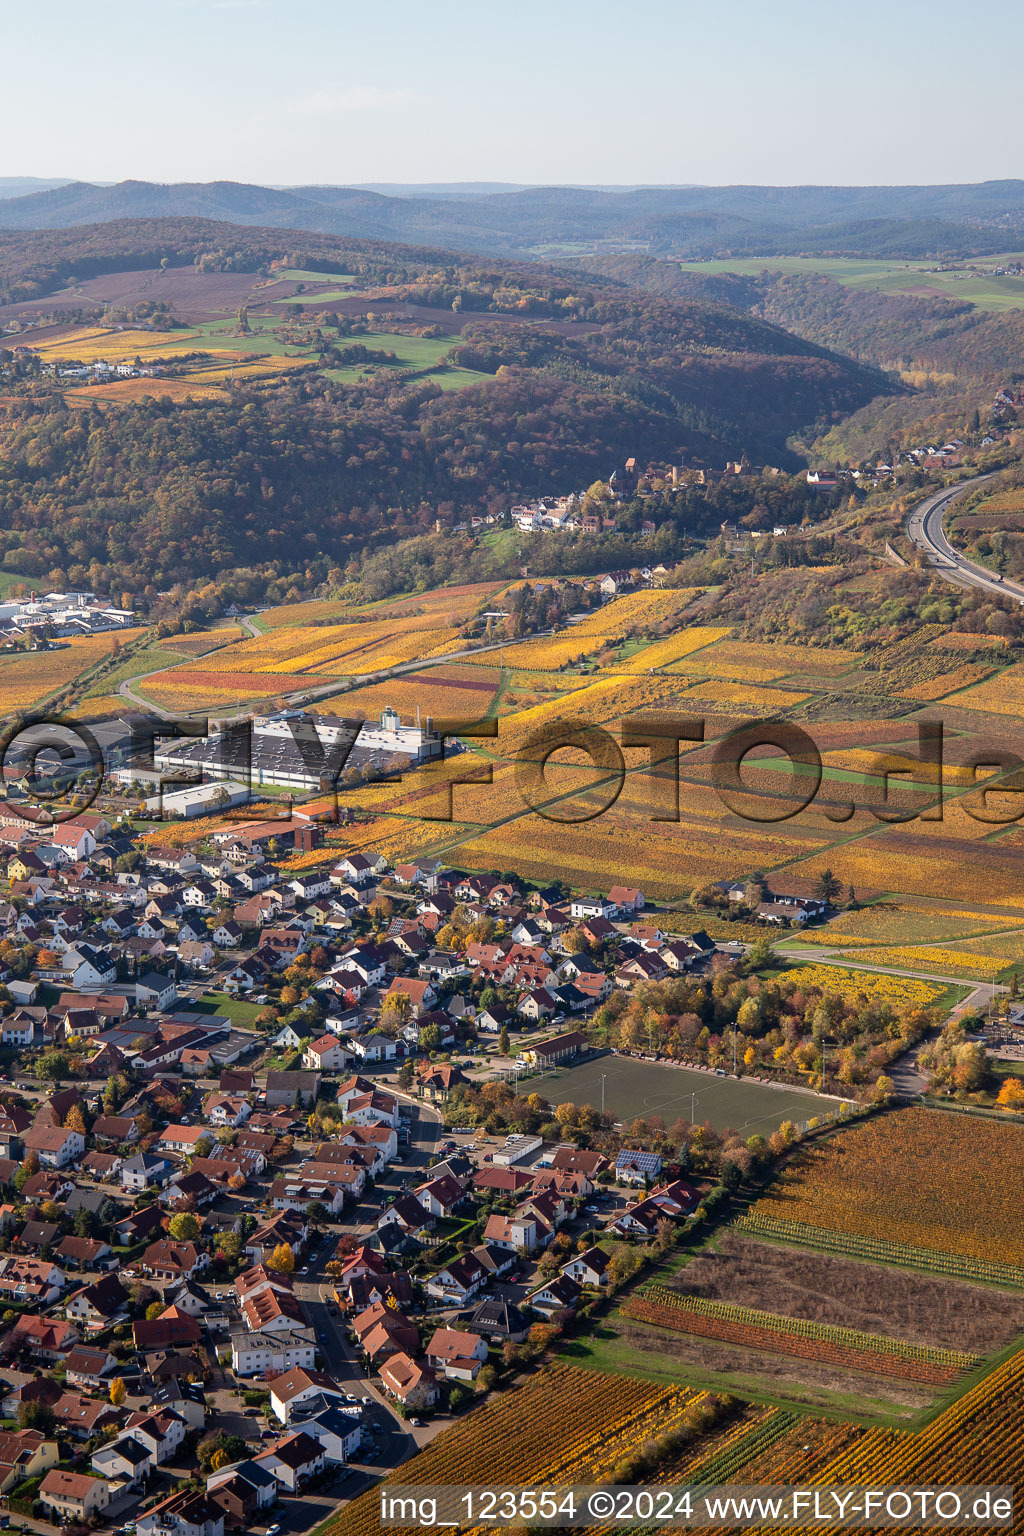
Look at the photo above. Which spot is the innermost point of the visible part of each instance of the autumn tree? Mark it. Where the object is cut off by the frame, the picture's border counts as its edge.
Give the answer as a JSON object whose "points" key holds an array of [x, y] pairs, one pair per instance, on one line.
{"points": [[282, 1259], [74, 1120], [394, 1013]]}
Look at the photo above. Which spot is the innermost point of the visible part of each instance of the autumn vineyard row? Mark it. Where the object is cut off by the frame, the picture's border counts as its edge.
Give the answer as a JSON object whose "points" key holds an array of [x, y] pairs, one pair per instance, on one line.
{"points": [[806, 1328], [879, 1249], [749, 1329]]}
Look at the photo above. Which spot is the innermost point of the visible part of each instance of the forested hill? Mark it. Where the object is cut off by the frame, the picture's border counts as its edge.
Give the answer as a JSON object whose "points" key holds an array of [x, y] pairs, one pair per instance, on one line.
{"points": [[39, 261], [898, 332], [579, 374], [908, 221]]}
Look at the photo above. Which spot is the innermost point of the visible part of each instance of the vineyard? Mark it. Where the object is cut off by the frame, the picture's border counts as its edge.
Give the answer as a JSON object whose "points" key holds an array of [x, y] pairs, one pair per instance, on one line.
{"points": [[564, 1426], [27, 678], [978, 1439], [1002, 694], [749, 697], [568, 1426], [915, 1179], [637, 610], [879, 1250], [945, 961], [664, 652], [754, 1329]]}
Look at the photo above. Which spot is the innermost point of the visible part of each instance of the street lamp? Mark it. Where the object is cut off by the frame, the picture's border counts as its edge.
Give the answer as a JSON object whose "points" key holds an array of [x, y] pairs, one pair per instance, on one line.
{"points": [[603, 1076]]}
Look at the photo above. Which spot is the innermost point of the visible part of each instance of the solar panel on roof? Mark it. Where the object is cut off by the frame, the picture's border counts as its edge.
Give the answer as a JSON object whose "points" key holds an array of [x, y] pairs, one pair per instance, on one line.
{"points": [[643, 1162]]}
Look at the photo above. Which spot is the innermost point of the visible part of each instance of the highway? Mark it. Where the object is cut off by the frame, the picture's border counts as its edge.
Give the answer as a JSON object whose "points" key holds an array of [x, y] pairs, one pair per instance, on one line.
{"points": [[924, 529]]}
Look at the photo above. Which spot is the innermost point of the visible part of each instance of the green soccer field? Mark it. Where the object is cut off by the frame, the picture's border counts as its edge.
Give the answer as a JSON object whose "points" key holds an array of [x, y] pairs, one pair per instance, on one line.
{"points": [[640, 1088]]}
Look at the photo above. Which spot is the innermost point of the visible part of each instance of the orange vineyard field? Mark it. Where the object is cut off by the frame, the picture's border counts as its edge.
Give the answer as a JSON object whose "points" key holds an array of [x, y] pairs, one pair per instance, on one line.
{"points": [[917, 1177]]}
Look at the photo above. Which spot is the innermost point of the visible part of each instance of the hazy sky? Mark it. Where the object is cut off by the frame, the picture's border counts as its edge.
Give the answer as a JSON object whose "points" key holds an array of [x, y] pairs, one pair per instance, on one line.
{"points": [[291, 91]]}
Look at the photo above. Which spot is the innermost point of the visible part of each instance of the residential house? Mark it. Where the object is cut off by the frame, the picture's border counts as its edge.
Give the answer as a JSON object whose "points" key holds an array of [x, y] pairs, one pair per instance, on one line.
{"points": [[99, 1303], [559, 1295], [145, 1169], [325, 1054], [24, 1453], [589, 1268], [412, 1383], [294, 1461], [56, 1147], [458, 1281], [73, 1497], [87, 1367], [458, 1355], [169, 1260], [181, 1514]]}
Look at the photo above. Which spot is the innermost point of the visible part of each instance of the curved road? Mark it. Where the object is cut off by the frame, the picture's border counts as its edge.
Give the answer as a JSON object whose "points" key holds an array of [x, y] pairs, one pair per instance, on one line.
{"points": [[924, 529]]}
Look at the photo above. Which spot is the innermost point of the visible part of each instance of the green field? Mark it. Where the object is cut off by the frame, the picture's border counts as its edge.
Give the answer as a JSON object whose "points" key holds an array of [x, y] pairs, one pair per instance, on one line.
{"points": [[643, 1088], [149, 658], [975, 284], [222, 336], [300, 275], [236, 1009], [315, 298], [420, 352], [411, 351], [458, 378]]}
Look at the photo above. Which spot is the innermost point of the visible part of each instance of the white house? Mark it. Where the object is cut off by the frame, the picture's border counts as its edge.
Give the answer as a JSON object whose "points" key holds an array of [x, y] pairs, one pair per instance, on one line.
{"points": [[457, 1354], [254, 1353], [18, 1030], [155, 991], [325, 1054], [55, 1146]]}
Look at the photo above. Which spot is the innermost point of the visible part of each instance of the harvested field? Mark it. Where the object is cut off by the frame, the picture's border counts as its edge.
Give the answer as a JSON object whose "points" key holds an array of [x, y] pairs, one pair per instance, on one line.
{"points": [[758, 1371], [129, 391], [820, 1288], [821, 1343]]}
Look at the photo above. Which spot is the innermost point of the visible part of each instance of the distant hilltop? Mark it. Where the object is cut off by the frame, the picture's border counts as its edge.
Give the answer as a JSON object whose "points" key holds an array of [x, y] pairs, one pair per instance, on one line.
{"points": [[972, 218]]}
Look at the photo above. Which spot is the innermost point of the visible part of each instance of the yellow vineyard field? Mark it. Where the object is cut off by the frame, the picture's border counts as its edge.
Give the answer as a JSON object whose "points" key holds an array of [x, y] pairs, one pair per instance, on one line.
{"points": [[27, 679], [128, 391], [664, 652], [749, 696], [637, 610], [1002, 694], [924, 958]]}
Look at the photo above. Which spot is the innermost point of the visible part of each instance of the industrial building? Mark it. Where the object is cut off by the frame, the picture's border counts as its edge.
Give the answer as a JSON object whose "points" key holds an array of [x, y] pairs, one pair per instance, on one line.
{"points": [[198, 799], [293, 749]]}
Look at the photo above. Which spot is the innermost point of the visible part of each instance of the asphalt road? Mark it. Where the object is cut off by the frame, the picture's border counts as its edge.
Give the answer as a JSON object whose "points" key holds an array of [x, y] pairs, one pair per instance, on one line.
{"points": [[924, 529], [394, 1439]]}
